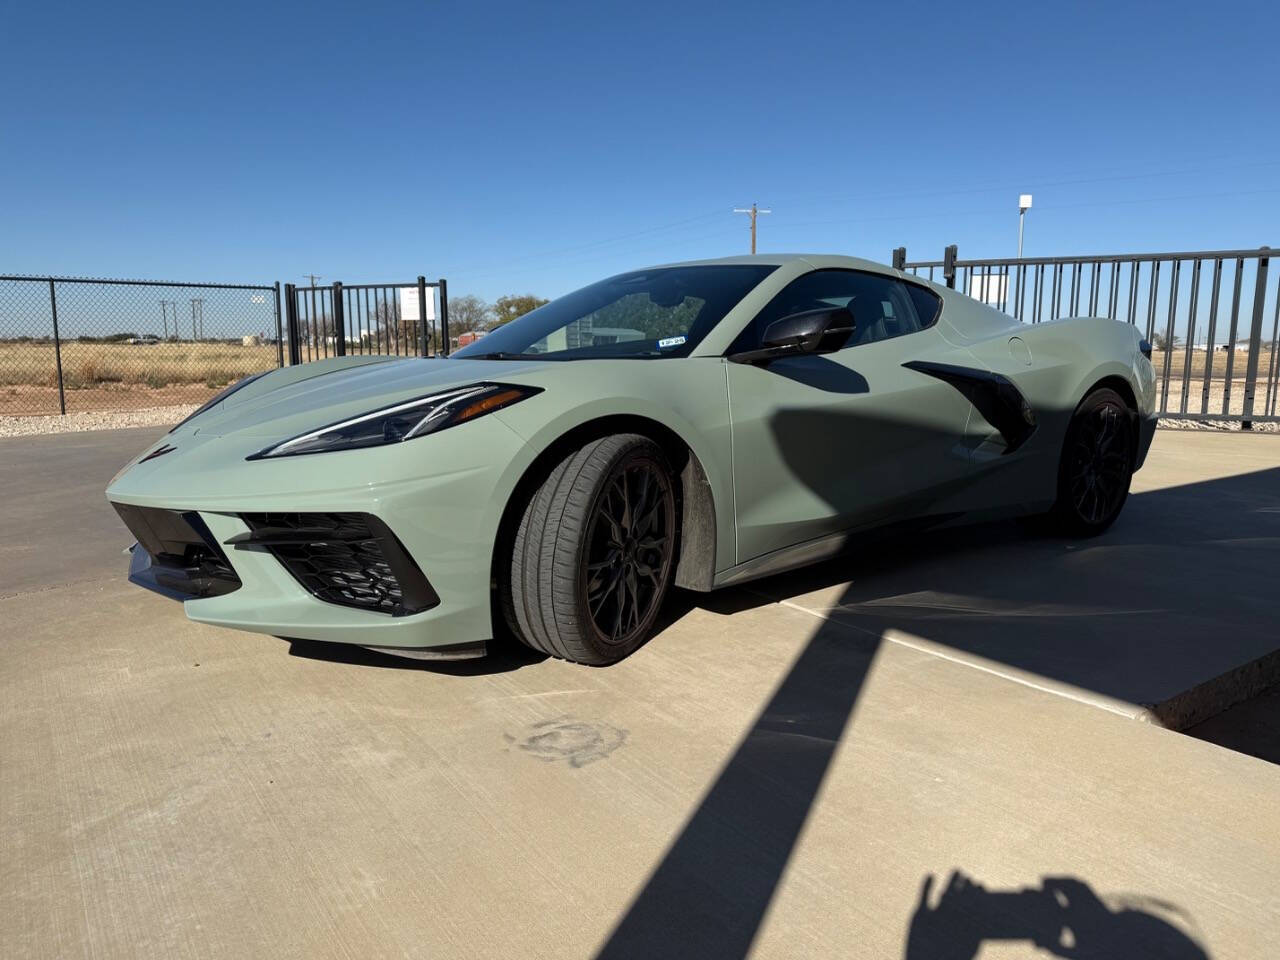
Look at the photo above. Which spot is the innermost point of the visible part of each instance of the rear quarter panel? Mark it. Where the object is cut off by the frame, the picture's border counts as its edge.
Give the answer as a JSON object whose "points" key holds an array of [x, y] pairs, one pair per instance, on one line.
{"points": [[1054, 364]]}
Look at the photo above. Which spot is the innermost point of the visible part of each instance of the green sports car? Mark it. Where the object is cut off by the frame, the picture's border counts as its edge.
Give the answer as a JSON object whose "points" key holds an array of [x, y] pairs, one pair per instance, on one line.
{"points": [[698, 424]]}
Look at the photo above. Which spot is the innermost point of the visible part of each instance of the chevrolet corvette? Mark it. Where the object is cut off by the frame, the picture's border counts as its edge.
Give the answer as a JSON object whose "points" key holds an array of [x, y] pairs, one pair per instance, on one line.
{"points": [[698, 424]]}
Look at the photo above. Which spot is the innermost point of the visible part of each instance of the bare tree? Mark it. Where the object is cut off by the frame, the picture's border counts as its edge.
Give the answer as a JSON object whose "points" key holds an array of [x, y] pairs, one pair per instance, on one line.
{"points": [[468, 314]]}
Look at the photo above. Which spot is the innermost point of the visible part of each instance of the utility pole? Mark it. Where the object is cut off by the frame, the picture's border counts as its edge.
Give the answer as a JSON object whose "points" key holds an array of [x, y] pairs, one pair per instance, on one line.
{"points": [[1024, 204], [754, 211], [164, 315], [315, 343], [194, 301]]}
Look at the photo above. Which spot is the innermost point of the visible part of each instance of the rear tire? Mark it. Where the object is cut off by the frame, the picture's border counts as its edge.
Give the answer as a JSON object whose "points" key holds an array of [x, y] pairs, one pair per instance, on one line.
{"points": [[594, 552], [1096, 466]]}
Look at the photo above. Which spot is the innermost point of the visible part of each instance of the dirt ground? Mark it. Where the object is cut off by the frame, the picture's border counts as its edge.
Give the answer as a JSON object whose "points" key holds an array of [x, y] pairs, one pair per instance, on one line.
{"points": [[32, 401]]}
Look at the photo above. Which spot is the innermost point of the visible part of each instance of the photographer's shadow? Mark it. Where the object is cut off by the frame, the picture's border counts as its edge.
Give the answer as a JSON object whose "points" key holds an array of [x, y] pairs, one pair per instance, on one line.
{"points": [[1062, 916]]}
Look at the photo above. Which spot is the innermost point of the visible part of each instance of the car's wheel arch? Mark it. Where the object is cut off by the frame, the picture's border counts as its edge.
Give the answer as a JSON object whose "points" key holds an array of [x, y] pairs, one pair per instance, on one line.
{"points": [[1110, 380], [696, 560]]}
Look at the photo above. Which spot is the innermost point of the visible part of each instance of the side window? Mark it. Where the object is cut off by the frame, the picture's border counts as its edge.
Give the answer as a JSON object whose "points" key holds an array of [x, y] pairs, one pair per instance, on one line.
{"points": [[882, 307]]}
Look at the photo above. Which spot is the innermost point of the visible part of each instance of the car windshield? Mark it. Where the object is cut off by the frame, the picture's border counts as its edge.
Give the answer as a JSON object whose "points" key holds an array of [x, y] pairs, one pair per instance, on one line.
{"points": [[647, 314]]}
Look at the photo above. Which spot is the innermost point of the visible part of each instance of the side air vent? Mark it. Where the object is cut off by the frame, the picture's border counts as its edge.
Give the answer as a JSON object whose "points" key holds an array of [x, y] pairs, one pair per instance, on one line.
{"points": [[350, 559], [993, 395]]}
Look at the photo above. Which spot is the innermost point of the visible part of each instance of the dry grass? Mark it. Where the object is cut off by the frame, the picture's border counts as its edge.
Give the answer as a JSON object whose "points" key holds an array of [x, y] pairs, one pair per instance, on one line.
{"points": [[104, 376], [92, 365], [1239, 365]]}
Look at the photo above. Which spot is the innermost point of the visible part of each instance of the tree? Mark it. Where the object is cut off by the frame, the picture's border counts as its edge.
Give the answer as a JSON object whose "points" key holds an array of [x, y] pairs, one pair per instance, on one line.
{"points": [[1161, 342], [508, 308], [468, 314]]}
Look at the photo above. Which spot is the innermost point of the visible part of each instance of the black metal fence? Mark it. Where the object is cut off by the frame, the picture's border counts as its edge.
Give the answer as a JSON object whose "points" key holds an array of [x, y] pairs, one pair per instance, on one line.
{"points": [[1206, 312], [403, 319], [70, 344]]}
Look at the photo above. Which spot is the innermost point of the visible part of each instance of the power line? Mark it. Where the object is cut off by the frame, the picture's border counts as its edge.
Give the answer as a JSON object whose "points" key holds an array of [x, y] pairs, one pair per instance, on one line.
{"points": [[753, 212], [485, 266]]}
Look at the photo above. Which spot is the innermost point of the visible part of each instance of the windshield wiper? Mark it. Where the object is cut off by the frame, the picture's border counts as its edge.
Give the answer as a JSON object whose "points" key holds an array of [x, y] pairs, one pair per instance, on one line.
{"points": [[501, 355]]}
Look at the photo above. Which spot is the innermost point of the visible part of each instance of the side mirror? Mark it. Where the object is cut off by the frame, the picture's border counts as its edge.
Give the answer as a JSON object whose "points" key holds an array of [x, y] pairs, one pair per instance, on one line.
{"points": [[813, 331]]}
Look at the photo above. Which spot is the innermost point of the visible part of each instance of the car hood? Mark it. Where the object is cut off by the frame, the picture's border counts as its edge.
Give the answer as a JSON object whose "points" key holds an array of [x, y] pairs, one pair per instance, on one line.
{"points": [[293, 400]]}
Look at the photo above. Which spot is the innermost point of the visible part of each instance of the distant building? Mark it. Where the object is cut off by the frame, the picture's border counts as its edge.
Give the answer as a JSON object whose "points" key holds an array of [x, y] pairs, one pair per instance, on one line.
{"points": [[469, 337]]}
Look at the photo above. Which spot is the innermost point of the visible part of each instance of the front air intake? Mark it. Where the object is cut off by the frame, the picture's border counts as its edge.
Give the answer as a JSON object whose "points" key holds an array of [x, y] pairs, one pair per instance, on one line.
{"points": [[350, 559], [176, 555]]}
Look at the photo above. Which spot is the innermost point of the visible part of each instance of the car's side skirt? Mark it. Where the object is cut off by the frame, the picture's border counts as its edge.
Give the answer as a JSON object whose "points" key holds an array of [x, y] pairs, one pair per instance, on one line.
{"points": [[823, 548]]}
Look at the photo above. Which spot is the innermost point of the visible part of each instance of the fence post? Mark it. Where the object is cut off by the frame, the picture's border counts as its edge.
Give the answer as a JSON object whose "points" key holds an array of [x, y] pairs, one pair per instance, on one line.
{"points": [[339, 321], [422, 316], [949, 266], [444, 316], [279, 340], [899, 258], [57, 348], [291, 324], [1255, 338]]}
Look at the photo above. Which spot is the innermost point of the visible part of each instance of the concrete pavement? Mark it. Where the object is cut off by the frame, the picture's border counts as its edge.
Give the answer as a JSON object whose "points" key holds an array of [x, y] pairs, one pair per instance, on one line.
{"points": [[781, 772]]}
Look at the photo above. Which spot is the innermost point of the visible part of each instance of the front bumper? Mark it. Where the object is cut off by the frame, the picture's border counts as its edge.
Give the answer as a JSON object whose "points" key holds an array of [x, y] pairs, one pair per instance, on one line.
{"points": [[445, 519]]}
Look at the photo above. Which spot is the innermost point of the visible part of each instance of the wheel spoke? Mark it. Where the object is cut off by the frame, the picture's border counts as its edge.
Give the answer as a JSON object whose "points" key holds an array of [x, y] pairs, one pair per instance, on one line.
{"points": [[626, 504], [608, 561], [633, 590], [630, 539]]}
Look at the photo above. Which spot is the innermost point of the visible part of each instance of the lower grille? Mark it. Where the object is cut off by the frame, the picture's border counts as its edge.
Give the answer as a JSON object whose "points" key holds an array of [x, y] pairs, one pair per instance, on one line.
{"points": [[176, 554], [351, 559]]}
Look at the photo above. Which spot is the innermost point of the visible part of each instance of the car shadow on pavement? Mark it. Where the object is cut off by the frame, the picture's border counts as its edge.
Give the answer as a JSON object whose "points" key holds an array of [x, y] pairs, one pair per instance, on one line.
{"points": [[1099, 614], [1126, 614]]}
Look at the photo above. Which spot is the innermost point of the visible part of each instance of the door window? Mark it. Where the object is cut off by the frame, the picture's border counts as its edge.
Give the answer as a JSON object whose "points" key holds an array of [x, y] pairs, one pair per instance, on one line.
{"points": [[882, 307]]}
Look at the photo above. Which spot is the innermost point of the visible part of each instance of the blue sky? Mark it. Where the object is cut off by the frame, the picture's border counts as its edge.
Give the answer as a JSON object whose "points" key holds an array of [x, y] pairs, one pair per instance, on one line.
{"points": [[536, 147]]}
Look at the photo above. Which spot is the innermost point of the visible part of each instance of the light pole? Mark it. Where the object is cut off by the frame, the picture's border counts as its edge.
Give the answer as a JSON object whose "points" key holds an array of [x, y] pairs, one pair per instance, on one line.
{"points": [[1024, 204]]}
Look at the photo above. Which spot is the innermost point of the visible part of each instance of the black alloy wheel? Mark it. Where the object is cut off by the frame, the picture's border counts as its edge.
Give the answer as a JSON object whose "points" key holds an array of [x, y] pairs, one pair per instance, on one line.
{"points": [[630, 543], [1097, 463]]}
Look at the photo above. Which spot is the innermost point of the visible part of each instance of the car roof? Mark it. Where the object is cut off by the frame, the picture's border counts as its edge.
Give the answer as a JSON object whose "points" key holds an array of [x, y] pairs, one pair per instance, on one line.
{"points": [[815, 260]]}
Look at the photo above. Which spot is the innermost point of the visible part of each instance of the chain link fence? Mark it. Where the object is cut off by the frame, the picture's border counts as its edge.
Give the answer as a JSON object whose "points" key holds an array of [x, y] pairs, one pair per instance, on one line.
{"points": [[69, 345]]}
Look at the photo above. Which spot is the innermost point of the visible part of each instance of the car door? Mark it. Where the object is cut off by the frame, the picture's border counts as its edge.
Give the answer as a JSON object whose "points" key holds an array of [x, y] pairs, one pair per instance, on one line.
{"points": [[826, 443]]}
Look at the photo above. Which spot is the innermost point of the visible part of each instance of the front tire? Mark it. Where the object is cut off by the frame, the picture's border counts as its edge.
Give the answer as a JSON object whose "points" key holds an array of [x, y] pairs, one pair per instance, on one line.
{"points": [[1097, 464], [594, 552]]}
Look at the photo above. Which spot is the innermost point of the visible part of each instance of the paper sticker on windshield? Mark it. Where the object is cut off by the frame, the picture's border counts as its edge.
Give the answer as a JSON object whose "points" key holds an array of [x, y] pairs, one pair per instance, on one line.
{"points": [[671, 342]]}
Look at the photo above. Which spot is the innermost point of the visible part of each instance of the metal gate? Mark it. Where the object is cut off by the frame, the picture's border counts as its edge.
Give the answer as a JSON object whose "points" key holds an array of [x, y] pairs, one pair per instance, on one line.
{"points": [[1204, 311], [403, 319]]}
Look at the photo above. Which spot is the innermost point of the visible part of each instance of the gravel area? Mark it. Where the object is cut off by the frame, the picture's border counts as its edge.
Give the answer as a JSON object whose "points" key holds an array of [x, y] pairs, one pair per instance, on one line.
{"points": [[94, 420], [1225, 426]]}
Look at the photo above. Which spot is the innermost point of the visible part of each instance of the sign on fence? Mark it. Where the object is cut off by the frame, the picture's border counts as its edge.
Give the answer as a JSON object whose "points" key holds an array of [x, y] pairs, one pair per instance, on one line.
{"points": [[992, 290], [409, 305]]}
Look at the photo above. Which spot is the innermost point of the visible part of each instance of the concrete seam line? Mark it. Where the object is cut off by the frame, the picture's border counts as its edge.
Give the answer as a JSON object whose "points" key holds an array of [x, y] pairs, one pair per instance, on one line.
{"points": [[1122, 708]]}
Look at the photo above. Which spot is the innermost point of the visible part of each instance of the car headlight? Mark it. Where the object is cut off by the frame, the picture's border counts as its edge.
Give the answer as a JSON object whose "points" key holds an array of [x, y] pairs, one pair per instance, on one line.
{"points": [[404, 421]]}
